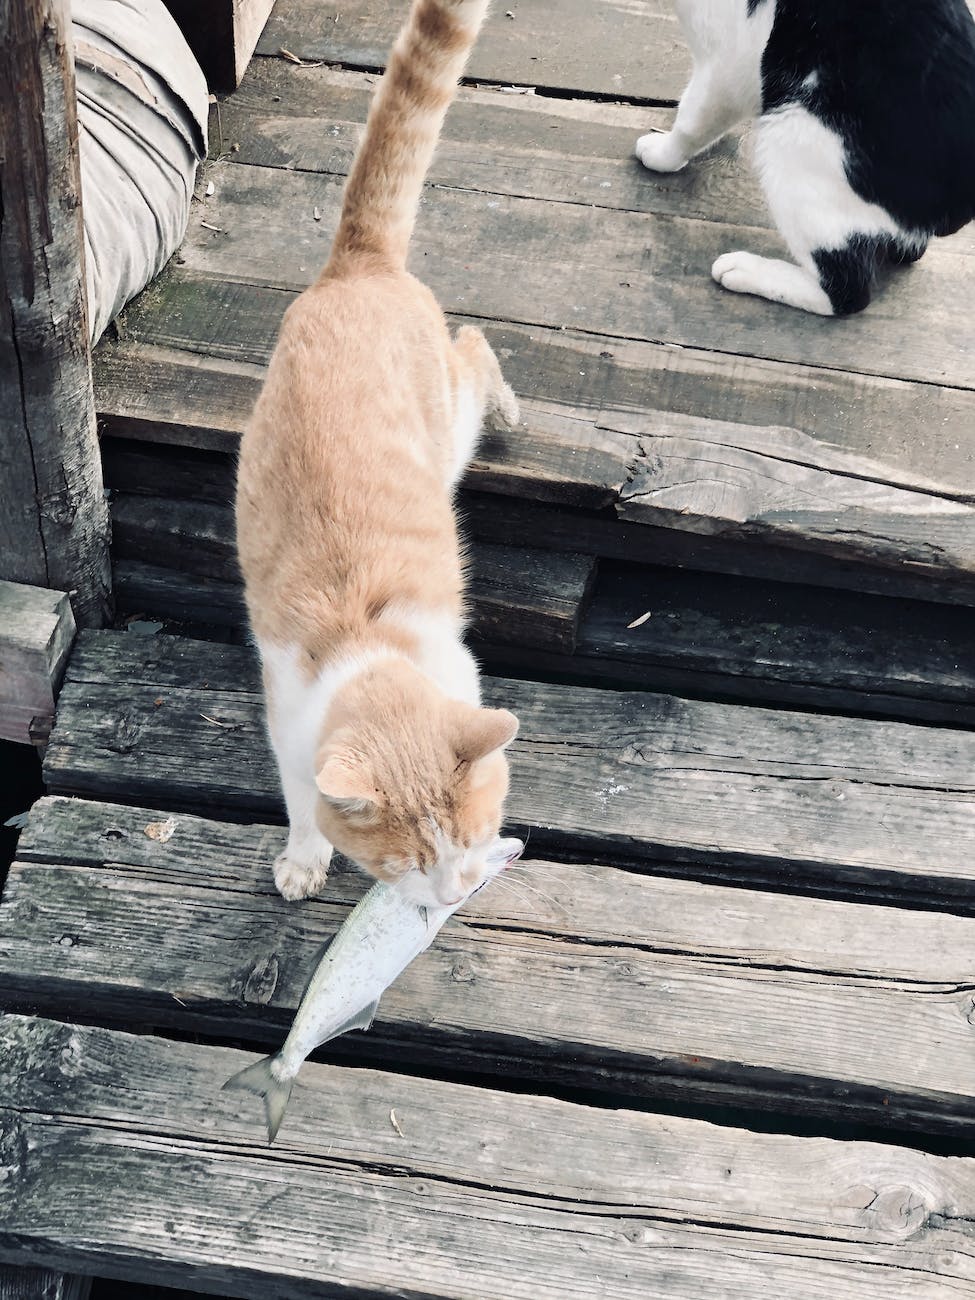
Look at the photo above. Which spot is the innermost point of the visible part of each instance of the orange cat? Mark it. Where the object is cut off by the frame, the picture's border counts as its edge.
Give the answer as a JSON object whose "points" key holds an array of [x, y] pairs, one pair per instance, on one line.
{"points": [[346, 533]]}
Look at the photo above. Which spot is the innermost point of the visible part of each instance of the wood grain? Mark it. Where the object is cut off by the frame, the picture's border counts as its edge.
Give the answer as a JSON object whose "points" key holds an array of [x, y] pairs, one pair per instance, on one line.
{"points": [[673, 630], [785, 503], [37, 629], [776, 795], [611, 48], [637, 274], [224, 39], [563, 1201], [41, 1284], [54, 528], [518, 595], [654, 988]]}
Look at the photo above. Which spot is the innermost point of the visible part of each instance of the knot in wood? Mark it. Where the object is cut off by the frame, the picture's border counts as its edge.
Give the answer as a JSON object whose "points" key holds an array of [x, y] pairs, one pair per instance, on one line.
{"points": [[262, 981], [901, 1211], [463, 973]]}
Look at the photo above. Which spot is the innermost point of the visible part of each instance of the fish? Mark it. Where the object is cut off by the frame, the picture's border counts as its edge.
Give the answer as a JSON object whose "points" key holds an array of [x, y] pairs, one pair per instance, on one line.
{"points": [[384, 933]]}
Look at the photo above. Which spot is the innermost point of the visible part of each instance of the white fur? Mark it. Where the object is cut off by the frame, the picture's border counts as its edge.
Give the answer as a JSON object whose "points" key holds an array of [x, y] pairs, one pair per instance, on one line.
{"points": [[296, 707], [801, 162], [468, 420], [442, 655], [725, 86]]}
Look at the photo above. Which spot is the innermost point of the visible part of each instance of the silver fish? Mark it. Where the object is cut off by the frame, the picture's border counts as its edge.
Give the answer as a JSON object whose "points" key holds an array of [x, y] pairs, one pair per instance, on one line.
{"points": [[379, 939]]}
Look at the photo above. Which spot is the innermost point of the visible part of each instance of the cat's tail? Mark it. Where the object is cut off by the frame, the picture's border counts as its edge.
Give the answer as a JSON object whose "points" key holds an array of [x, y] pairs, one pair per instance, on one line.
{"points": [[266, 1079], [407, 113]]}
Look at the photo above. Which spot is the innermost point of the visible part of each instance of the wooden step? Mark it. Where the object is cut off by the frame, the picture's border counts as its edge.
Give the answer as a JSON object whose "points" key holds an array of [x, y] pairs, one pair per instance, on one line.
{"points": [[519, 595], [127, 1157], [771, 796], [175, 560], [567, 45], [840, 448], [571, 974]]}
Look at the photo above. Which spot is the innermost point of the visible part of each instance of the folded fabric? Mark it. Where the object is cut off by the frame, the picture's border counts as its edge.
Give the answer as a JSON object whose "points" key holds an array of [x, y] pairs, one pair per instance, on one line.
{"points": [[142, 121]]}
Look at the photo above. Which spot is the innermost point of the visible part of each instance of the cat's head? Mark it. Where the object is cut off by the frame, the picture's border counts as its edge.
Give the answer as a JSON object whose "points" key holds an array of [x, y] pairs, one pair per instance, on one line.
{"points": [[413, 784]]}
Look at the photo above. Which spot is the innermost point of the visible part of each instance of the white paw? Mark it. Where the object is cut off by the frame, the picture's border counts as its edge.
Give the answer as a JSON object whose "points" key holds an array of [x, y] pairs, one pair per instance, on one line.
{"points": [[735, 271], [298, 878], [658, 152], [769, 277]]}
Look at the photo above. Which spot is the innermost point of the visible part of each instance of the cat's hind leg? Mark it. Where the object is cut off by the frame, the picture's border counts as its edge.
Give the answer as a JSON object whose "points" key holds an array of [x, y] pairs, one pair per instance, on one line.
{"points": [[482, 392], [836, 237]]}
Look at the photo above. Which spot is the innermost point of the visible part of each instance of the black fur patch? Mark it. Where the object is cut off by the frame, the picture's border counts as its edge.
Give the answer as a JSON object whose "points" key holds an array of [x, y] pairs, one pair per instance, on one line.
{"points": [[896, 80]]}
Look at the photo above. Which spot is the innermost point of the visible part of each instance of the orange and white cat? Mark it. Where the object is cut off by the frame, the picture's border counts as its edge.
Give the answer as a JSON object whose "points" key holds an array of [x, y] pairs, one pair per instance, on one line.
{"points": [[346, 533]]}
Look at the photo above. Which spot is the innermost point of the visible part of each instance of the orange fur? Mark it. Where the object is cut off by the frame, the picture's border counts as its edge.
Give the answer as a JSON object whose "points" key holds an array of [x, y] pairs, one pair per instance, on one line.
{"points": [[346, 531]]}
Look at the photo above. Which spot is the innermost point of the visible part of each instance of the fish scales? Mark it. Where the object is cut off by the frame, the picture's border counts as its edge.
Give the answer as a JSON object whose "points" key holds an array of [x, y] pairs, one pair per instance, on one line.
{"points": [[382, 935]]}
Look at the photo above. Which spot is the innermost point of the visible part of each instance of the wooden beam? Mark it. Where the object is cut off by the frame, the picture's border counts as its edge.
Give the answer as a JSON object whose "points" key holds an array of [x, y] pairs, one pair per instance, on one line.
{"points": [[587, 976], [41, 1284], [222, 35], [54, 528], [36, 633], [134, 1160], [730, 790]]}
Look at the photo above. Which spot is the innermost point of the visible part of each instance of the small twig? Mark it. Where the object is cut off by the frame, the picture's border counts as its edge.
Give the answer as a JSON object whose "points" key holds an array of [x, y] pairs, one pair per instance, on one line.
{"points": [[231, 726], [301, 63], [395, 1123], [639, 622], [207, 226]]}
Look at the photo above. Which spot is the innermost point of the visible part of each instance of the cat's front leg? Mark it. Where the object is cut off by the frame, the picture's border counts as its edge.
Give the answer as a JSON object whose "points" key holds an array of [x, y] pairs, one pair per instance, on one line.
{"points": [[302, 869], [709, 108]]}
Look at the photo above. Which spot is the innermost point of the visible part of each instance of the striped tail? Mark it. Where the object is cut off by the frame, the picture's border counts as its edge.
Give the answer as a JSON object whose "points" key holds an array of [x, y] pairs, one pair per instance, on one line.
{"points": [[383, 190]]}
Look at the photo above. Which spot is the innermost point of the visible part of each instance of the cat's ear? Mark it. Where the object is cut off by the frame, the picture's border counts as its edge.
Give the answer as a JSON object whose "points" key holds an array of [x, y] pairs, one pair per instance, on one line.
{"points": [[481, 731], [346, 784]]}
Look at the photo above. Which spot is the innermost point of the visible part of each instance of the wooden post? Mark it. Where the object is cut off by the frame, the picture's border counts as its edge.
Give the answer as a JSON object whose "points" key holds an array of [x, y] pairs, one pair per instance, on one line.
{"points": [[54, 528]]}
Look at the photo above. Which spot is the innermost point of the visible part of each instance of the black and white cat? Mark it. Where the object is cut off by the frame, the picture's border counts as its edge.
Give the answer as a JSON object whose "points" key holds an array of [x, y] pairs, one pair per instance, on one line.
{"points": [[865, 137]]}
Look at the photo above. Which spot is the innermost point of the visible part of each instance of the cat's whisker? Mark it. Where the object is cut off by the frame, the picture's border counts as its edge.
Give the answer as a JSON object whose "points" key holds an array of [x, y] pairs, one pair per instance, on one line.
{"points": [[541, 894]]}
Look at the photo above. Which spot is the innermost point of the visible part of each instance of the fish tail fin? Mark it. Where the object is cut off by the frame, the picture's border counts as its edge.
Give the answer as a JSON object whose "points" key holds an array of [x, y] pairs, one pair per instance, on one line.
{"points": [[262, 1079]]}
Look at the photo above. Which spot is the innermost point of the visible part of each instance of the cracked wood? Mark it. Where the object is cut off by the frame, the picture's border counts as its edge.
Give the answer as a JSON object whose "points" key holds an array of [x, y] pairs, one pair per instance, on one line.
{"points": [[54, 529], [603, 978], [539, 1198], [818, 800]]}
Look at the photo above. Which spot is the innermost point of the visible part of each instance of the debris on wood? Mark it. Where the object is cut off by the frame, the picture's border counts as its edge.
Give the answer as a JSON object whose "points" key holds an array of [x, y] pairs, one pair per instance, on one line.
{"points": [[162, 832], [228, 726], [207, 226], [395, 1123], [144, 627], [18, 821], [301, 63], [515, 90], [316, 214], [209, 189], [639, 622]]}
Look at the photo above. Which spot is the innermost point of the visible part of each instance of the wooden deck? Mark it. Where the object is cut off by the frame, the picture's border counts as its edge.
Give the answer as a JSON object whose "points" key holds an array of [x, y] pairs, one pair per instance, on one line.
{"points": [[718, 1036]]}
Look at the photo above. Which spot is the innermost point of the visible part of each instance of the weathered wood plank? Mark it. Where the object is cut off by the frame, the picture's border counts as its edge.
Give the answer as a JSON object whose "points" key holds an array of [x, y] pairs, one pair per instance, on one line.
{"points": [[564, 1201], [565, 150], [656, 988], [41, 1284], [636, 274], [36, 632], [518, 595], [769, 641], [164, 469], [224, 40], [776, 795], [919, 431], [54, 528], [877, 524], [631, 49]]}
